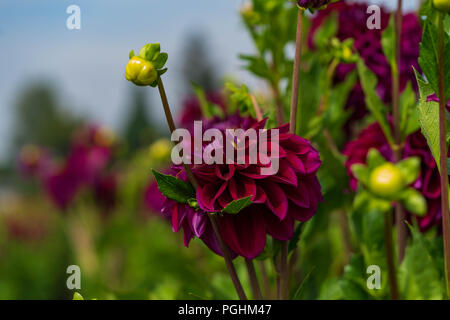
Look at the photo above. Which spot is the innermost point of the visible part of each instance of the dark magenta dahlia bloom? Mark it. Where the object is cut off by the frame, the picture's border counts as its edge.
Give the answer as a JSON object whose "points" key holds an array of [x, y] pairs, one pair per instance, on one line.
{"points": [[352, 19], [428, 182], [279, 199]]}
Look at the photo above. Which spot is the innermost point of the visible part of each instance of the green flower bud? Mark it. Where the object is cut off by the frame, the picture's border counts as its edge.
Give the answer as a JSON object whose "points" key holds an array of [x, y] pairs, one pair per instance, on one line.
{"points": [[77, 296], [442, 5], [386, 181], [144, 69], [141, 72]]}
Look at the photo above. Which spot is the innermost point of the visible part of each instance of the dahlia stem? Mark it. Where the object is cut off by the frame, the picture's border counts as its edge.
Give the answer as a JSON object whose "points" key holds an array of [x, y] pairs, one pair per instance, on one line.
{"points": [[390, 256], [296, 72], [226, 255], [265, 280], [399, 210], [258, 113], [284, 271], [212, 217], [443, 153], [253, 279], [284, 265], [278, 101]]}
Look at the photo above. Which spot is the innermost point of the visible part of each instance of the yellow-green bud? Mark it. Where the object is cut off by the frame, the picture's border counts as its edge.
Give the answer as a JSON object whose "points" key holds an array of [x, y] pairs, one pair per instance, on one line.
{"points": [[386, 180], [77, 296], [141, 72], [442, 5]]}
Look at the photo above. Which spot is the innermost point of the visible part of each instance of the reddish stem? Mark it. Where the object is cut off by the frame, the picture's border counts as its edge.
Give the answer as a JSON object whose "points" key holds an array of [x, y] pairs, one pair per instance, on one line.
{"points": [[443, 154]]}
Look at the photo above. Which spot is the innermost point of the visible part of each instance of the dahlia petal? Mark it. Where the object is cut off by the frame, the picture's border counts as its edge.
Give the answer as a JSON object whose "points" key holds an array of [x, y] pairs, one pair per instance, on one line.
{"points": [[299, 194], [208, 194], [242, 187], [277, 201], [285, 174], [245, 232], [279, 229]]}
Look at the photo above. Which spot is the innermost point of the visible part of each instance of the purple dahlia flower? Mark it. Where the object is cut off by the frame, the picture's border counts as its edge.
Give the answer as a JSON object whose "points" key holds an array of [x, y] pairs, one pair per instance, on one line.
{"points": [[293, 193]]}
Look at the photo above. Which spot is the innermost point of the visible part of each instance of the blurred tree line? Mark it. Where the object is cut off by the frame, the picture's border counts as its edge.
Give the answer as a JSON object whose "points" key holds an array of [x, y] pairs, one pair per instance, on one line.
{"points": [[41, 118]]}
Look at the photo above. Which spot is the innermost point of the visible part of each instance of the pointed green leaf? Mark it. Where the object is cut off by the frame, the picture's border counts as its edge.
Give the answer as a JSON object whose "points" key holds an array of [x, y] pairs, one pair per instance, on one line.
{"points": [[410, 169], [374, 104], [374, 159], [160, 60], [428, 117], [419, 275], [174, 188], [428, 59], [361, 172], [388, 41], [409, 118], [236, 206], [414, 202]]}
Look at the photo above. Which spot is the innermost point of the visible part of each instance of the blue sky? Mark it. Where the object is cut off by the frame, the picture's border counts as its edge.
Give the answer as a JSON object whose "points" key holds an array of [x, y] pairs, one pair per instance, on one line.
{"points": [[87, 65]]}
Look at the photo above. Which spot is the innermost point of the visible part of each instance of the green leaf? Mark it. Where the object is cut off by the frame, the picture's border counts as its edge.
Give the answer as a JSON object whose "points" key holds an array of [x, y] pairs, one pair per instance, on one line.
{"points": [[149, 51], [174, 188], [409, 118], [419, 275], [361, 172], [374, 159], [410, 169], [428, 58], [428, 117], [131, 54], [374, 104], [414, 202], [160, 60], [388, 42], [201, 96], [236, 206]]}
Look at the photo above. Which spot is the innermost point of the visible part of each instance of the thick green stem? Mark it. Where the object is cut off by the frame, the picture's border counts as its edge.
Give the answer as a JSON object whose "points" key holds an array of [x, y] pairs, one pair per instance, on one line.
{"points": [[392, 273], [212, 218], [443, 154]]}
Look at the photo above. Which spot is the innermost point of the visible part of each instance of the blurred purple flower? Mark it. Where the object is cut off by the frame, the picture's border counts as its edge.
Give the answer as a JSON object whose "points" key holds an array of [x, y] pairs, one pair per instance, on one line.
{"points": [[34, 161], [192, 111], [85, 166], [352, 19]]}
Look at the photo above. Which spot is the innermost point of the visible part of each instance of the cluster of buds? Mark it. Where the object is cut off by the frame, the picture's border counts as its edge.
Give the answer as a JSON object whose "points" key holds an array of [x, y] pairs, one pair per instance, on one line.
{"points": [[387, 182]]}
